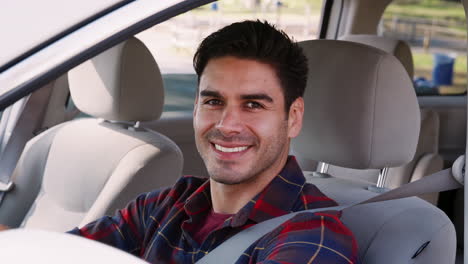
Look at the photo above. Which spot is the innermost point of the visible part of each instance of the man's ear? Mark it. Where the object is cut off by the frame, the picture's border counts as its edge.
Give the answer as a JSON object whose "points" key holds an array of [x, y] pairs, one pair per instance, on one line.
{"points": [[296, 114]]}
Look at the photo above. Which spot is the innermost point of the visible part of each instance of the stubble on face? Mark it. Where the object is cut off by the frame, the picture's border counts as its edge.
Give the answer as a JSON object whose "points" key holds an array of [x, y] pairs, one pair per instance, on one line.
{"points": [[241, 129], [223, 171]]}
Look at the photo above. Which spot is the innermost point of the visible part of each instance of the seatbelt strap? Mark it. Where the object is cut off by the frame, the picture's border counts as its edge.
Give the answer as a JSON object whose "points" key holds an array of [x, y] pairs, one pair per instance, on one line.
{"points": [[233, 248], [28, 124]]}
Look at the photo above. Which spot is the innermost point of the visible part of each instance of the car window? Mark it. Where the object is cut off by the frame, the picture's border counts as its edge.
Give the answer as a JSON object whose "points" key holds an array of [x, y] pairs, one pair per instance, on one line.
{"points": [[182, 34], [435, 30]]}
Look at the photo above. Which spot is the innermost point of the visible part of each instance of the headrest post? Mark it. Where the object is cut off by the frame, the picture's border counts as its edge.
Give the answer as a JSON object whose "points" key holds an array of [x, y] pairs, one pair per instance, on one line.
{"points": [[322, 170], [382, 178], [323, 167], [380, 186], [135, 126]]}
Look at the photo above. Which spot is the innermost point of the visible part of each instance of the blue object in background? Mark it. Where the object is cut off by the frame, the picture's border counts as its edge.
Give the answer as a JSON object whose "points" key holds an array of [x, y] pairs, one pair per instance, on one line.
{"points": [[425, 87], [442, 73], [214, 6]]}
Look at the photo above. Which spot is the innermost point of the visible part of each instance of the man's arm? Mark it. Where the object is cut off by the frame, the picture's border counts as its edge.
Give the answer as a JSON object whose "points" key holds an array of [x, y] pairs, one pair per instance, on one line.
{"points": [[318, 238], [4, 227], [126, 229]]}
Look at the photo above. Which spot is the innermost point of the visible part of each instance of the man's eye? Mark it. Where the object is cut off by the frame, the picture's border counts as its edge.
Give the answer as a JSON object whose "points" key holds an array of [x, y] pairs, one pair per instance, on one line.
{"points": [[253, 105], [213, 102]]}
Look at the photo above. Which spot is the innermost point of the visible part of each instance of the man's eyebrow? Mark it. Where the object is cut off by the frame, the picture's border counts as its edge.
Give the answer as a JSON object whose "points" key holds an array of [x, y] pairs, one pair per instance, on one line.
{"points": [[257, 97], [208, 93]]}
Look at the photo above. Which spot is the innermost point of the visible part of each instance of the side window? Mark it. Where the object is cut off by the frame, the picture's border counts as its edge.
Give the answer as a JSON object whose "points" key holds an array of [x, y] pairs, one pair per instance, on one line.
{"points": [[435, 30], [174, 42]]}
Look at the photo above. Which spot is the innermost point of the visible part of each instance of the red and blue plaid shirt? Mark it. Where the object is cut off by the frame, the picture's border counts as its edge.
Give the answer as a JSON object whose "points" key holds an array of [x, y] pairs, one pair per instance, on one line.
{"points": [[158, 226]]}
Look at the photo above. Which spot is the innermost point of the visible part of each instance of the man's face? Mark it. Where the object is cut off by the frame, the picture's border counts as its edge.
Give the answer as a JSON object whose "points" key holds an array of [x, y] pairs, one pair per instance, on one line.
{"points": [[241, 128]]}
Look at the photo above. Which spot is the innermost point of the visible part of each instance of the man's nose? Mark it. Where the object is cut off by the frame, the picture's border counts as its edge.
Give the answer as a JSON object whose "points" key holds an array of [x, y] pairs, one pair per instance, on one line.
{"points": [[230, 122]]}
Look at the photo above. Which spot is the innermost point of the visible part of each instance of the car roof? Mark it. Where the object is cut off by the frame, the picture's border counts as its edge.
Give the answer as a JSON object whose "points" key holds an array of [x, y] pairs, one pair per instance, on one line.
{"points": [[31, 70], [27, 24]]}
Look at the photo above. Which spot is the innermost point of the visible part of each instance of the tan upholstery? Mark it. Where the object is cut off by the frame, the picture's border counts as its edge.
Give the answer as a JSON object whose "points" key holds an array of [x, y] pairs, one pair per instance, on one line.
{"points": [[358, 125], [86, 168], [389, 231]]}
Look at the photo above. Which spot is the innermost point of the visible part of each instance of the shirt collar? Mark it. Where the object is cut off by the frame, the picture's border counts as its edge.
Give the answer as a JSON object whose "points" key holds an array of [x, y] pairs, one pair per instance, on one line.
{"points": [[276, 199], [199, 201]]}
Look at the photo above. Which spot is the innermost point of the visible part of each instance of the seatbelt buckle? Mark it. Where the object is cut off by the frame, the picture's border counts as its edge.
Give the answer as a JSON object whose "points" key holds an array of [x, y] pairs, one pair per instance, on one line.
{"points": [[6, 187]]}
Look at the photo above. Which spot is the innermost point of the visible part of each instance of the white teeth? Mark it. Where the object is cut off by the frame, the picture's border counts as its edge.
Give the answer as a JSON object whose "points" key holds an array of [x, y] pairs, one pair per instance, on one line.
{"points": [[223, 149]]}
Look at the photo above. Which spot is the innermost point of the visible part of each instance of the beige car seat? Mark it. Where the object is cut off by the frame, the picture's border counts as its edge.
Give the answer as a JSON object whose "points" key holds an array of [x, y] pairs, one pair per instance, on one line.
{"points": [[426, 160], [83, 169], [369, 118]]}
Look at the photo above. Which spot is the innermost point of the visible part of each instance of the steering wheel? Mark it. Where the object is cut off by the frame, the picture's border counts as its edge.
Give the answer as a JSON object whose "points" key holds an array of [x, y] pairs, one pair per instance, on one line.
{"points": [[37, 246]]}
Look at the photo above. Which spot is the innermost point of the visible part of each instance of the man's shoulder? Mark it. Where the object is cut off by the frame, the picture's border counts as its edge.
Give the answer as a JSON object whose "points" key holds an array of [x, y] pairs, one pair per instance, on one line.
{"points": [[169, 196], [312, 197], [312, 220], [309, 231]]}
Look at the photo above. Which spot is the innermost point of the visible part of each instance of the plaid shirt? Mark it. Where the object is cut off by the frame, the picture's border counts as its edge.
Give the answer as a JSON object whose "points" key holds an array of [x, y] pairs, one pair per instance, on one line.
{"points": [[158, 226]]}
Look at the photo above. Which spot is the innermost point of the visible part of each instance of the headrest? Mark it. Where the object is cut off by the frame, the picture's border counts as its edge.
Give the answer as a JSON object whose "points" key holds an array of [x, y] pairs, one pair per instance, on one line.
{"points": [[397, 48], [361, 110], [121, 84]]}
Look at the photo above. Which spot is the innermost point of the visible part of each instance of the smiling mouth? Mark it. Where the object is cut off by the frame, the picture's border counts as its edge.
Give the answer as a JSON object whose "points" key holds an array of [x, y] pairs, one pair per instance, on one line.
{"points": [[230, 150]]}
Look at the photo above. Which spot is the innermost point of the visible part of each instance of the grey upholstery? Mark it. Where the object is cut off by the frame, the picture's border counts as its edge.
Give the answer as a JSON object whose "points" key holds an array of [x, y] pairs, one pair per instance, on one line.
{"points": [[86, 168], [361, 118], [425, 162], [400, 49], [426, 159], [124, 82], [390, 231]]}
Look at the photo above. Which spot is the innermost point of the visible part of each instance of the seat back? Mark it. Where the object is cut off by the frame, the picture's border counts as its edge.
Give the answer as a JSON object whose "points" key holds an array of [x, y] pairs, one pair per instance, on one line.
{"points": [[86, 168], [366, 116], [426, 159]]}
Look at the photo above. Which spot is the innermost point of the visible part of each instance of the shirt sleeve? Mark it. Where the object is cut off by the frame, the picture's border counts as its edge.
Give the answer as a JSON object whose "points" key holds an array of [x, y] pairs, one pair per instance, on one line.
{"points": [[125, 230], [319, 238]]}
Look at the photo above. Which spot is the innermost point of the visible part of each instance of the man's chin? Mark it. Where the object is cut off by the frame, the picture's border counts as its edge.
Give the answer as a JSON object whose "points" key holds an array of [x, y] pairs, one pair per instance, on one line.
{"points": [[226, 181], [229, 178]]}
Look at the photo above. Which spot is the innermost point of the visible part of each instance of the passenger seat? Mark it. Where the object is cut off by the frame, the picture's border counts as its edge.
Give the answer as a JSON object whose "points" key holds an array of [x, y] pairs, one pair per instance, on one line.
{"points": [[369, 119], [426, 160], [83, 169]]}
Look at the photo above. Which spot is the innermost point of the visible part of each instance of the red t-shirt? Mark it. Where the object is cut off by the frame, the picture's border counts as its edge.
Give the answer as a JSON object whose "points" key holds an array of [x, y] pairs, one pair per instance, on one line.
{"points": [[212, 222]]}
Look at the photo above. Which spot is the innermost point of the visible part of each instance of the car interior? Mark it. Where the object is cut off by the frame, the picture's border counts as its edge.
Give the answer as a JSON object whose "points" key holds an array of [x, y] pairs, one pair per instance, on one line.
{"points": [[120, 124], [114, 159]]}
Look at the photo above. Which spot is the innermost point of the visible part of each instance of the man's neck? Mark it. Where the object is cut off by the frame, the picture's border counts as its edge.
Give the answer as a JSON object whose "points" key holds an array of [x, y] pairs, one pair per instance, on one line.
{"points": [[229, 199]]}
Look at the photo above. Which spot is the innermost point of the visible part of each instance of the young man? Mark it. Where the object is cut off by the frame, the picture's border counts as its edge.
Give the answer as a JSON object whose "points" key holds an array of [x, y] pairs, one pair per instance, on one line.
{"points": [[248, 107]]}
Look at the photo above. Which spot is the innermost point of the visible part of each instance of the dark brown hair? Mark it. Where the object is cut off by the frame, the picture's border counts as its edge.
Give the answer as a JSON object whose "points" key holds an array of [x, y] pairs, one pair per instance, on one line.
{"points": [[262, 42]]}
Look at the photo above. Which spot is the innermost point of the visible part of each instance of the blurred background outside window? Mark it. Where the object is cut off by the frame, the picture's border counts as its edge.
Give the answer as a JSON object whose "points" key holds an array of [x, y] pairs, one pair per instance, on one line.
{"points": [[174, 42], [436, 31]]}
